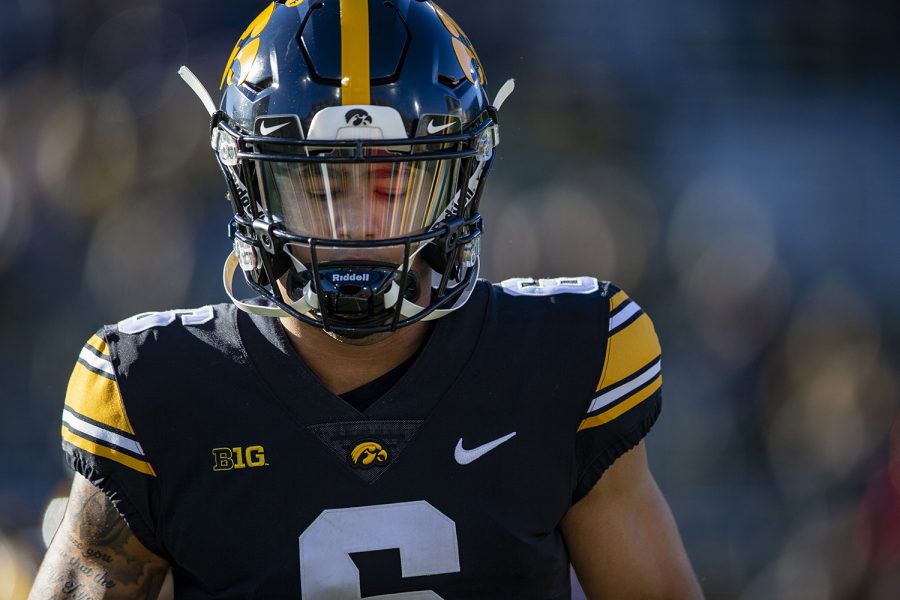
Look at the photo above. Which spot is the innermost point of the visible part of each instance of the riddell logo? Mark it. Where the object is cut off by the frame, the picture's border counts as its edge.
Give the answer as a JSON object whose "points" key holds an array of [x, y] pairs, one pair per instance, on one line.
{"points": [[350, 278]]}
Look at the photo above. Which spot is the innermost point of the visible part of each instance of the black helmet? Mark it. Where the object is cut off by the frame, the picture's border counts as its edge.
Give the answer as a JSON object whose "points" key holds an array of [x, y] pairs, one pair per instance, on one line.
{"points": [[355, 137]]}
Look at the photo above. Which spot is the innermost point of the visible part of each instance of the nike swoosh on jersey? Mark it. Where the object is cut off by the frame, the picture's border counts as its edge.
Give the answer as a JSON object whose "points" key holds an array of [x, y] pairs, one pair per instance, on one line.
{"points": [[464, 456], [270, 130], [432, 129]]}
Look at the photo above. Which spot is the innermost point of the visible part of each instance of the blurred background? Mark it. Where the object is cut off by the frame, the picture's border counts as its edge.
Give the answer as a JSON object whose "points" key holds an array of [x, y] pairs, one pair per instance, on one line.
{"points": [[734, 165]]}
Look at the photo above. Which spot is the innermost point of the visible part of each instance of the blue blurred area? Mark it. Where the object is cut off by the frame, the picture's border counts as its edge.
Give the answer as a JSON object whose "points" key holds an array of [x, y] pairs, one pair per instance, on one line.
{"points": [[733, 165]]}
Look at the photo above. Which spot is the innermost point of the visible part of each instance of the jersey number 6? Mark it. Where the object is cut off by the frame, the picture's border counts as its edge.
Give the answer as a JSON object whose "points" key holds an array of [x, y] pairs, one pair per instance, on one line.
{"points": [[424, 535]]}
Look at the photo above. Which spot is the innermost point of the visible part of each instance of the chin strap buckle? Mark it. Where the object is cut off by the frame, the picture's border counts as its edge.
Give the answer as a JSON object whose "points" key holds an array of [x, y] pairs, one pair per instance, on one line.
{"points": [[471, 252], [247, 255]]}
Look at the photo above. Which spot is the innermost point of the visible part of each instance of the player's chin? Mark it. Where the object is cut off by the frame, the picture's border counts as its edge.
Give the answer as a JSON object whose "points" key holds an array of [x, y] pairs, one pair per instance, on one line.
{"points": [[362, 339]]}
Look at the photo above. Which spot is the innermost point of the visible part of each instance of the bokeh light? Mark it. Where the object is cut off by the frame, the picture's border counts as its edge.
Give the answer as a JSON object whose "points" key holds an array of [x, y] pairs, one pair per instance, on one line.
{"points": [[722, 246], [832, 396]]}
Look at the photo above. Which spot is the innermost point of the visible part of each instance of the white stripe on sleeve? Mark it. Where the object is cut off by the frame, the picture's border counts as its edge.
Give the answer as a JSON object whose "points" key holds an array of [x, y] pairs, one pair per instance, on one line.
{"points": [[81, 426], [623, 315], [101, 364], [625, 389]]}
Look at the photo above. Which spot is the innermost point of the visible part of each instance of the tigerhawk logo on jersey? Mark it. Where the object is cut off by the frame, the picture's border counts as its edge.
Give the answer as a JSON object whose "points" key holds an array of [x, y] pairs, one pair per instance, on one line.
{"points": [[367, 454], [229, 459]]}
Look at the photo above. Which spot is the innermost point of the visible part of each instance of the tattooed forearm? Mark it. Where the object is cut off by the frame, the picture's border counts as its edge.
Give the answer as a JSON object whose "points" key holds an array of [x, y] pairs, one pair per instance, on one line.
{"points": [[60, 584], [90, 553], [100, 576], [95, 556]]}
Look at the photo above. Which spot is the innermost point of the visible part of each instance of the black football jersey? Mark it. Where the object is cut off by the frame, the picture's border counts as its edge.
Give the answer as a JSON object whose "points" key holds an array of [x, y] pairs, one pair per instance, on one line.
{"points": [[229, 458]]}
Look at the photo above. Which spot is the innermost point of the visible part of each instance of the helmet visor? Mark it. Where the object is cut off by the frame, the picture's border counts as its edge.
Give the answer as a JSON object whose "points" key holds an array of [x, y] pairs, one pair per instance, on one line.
{"points": [[359, 201]]}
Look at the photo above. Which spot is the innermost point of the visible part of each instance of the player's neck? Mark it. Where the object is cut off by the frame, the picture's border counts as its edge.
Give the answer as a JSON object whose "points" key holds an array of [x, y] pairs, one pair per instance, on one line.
{"points": [[343, 366]]}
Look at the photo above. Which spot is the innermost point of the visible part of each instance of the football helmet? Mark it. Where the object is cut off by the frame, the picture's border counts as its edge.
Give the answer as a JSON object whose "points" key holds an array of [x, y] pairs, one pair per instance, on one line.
{"points": [[355, 137]]}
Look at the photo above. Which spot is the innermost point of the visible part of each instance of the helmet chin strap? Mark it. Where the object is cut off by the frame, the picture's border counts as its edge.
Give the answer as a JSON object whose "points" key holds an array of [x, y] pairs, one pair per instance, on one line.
{"points": [[231, 265], [309, 301]]}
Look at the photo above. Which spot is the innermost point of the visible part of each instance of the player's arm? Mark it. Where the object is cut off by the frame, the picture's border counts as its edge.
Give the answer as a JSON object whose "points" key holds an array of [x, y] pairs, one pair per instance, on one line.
{"points": [[94, 555], [622, 538]]}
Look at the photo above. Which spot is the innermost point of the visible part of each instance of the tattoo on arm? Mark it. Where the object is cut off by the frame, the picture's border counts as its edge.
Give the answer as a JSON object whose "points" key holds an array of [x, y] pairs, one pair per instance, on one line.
{"points": [[95, 556]]}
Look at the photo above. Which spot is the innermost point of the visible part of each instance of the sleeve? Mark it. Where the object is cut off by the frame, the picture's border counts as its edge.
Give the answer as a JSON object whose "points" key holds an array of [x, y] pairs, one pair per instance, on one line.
{"points": [[627, 400], [100, 442]]}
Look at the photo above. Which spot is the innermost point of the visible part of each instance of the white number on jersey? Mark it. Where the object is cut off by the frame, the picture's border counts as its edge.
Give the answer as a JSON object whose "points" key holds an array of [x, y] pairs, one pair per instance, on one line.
{"points": [[425, 536]]}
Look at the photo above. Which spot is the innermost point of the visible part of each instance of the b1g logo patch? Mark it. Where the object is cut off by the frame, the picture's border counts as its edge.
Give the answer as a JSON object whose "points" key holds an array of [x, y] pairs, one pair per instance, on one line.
{"points": [[367, 454], [230, 459]]}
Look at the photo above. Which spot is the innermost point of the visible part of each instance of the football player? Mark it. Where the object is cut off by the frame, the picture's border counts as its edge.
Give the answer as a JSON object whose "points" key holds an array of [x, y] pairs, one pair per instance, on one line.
{"points": [[378, 422]]}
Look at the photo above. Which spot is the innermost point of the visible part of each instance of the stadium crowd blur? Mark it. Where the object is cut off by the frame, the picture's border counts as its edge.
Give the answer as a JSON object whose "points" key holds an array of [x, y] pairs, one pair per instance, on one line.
{"points": [[734, 165]]}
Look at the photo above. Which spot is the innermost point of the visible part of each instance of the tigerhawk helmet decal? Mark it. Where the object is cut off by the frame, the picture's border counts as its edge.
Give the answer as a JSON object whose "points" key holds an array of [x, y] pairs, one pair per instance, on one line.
{"points": [[355, 137]]}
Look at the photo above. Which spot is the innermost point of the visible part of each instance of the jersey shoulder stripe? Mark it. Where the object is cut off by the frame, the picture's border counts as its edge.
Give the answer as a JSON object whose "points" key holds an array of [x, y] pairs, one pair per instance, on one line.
{"points": [[88, 428], [617, 299], [94, 416], [96, 362], [94, 447], [94, 393], [616, 402], [624, 315], [98, 344], [632, 369]]}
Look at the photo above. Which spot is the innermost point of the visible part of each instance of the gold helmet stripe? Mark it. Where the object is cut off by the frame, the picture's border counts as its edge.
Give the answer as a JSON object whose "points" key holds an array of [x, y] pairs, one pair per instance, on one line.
{"points": [[355, 77]]}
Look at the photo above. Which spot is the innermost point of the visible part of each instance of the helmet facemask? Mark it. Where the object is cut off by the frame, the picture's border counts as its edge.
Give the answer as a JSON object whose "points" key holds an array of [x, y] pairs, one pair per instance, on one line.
{"points": [[354, 228]]}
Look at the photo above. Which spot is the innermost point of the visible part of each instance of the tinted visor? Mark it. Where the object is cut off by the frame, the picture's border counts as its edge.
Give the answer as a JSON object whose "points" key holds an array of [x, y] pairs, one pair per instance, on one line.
{"points": [[359, 201]]}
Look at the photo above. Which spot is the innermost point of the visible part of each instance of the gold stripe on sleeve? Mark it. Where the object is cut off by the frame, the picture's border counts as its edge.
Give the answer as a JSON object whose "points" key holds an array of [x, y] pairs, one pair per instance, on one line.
{"points": [[617, 299], [99, 345], [98, 398], [622, 407], [98, 450], [355, 78], [629, 350]]}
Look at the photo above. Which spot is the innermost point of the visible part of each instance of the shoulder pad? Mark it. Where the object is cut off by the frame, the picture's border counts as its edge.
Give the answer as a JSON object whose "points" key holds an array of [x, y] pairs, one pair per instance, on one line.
{"points": [[527, 286], [144, 321]]}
